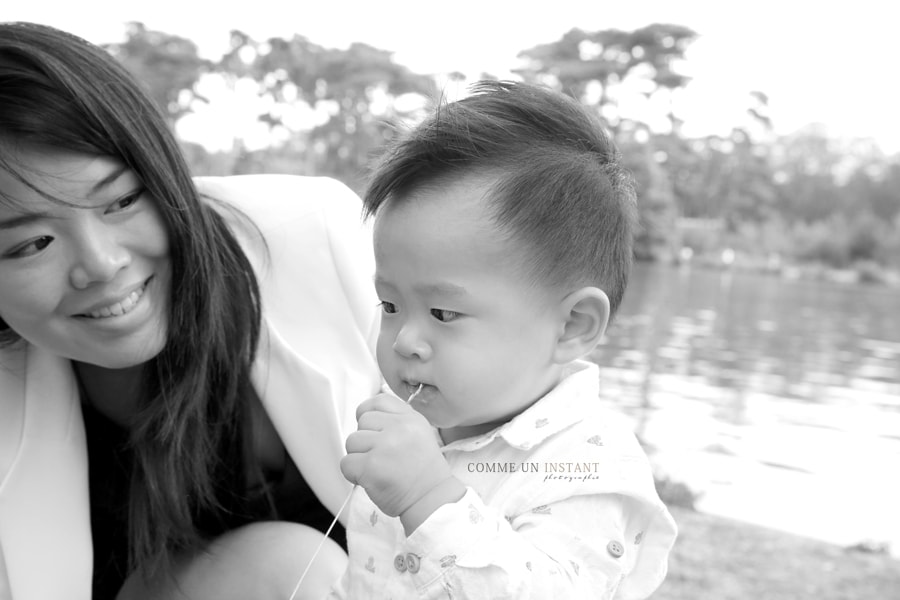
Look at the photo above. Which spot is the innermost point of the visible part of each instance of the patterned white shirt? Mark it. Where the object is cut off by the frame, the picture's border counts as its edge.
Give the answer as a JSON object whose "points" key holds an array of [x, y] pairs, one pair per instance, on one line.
{"points": [[560, 503]]}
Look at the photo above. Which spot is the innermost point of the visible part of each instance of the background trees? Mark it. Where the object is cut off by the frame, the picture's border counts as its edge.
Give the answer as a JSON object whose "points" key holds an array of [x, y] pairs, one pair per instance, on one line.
{"points": [[767, 199]]}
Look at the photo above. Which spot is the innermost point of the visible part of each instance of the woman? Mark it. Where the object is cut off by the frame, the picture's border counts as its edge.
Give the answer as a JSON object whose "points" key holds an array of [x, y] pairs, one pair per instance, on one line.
{"points": [[180, 361]]}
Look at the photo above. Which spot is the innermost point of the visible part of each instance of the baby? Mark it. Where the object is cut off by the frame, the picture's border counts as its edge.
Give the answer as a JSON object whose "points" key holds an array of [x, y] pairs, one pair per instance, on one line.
{"points": [[503, 230]]}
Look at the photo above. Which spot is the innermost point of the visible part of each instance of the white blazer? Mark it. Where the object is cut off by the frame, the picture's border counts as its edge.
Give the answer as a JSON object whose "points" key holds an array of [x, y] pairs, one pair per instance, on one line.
{"points": [[315, 365]]}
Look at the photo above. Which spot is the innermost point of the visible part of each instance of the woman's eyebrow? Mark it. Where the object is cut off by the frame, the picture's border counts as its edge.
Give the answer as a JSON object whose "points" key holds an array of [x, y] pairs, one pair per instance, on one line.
{"points": [[23, 219], [107, 180]]}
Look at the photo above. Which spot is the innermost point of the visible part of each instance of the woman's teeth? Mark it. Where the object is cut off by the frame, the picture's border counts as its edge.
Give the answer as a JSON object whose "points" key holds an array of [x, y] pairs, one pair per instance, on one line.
{"points": [[119, 308]]}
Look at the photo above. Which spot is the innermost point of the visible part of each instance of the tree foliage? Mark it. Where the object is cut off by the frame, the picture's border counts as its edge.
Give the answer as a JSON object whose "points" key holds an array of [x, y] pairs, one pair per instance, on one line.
{"points": [[168, 65], [590, 66], [607, 59], [329, 112], [354, 90]]}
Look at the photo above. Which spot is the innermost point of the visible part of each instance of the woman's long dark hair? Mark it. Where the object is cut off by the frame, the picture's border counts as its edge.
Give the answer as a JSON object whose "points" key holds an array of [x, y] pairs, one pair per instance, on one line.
{"points": [[60, 92]]}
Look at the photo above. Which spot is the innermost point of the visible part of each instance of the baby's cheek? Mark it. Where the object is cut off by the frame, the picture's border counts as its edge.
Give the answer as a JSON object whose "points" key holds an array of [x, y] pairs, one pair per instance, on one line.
{"points": [[383, 354], [470, 382]]}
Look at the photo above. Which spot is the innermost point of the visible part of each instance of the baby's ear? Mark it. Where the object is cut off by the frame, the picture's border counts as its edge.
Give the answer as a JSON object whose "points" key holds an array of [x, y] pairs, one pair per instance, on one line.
{"points": [[585, 314]]}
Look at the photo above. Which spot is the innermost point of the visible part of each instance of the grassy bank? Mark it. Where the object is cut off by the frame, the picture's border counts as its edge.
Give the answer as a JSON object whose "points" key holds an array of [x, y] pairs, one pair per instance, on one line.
{"points": [[723, 559]]}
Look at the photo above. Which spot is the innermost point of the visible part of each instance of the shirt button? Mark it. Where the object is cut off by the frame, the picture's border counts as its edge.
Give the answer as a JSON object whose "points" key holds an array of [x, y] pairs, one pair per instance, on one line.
{"points": [[412, 562], [400, 563], [615, 549]]}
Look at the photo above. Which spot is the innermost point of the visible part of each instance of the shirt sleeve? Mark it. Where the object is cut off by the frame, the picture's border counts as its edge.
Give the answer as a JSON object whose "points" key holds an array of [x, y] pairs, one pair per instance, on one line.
{"points": [[339, 589], [583, 546]]}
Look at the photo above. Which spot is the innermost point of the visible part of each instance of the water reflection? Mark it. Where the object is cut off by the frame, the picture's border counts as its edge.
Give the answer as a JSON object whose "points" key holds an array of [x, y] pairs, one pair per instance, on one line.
{"points": [[779, 401]]}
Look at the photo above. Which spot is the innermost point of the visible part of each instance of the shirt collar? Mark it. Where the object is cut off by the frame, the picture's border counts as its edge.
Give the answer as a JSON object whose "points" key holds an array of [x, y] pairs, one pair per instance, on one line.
{"points": [[562, 407]]}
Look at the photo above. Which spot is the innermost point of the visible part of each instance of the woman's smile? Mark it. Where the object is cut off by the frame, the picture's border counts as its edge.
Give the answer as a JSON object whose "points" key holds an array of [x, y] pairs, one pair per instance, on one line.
{"points": [[106, 309]]}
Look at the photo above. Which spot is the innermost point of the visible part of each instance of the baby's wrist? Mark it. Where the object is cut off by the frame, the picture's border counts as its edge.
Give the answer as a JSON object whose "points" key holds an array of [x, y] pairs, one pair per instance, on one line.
{"points": [[447, 491]]}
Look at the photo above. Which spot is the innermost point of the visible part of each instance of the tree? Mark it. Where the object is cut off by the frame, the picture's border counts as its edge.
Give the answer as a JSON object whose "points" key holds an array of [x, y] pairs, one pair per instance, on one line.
{"points": [[167, 65], [581, 60], [805, 167], [590, 66], [352, 94], [876, 189], [731, 180], [657, 209]]}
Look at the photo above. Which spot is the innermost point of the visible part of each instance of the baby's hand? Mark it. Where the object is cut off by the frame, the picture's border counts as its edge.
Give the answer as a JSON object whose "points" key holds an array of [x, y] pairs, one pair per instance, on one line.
{"points": [[394, 455]]}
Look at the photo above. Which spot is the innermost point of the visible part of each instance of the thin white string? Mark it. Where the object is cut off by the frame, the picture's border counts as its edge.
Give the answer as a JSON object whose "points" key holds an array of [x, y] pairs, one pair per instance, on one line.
{"points": [[340, 510], [319, 547]]}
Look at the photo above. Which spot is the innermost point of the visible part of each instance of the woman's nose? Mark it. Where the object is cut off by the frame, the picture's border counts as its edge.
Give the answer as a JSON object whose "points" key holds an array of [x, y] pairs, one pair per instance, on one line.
{"points": [[99, 256], [409, 343]]}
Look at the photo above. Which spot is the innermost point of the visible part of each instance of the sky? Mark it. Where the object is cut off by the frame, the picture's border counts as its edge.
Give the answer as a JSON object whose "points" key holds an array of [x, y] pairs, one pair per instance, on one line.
{"points": [[818, 62]]}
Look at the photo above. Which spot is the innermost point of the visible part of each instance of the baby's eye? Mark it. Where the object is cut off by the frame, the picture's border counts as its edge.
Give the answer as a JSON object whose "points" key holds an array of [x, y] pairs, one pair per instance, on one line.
{"points": [[444, 315], [388, 307]]}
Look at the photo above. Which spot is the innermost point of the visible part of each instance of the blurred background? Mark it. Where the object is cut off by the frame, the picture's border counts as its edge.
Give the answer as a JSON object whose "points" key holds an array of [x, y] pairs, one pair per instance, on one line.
{"points": [[758, 347]]}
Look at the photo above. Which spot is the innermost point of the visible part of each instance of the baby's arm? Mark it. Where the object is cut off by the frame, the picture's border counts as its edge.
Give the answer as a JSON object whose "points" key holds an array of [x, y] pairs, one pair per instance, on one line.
{"points": [[578, 547], [601, 537]]}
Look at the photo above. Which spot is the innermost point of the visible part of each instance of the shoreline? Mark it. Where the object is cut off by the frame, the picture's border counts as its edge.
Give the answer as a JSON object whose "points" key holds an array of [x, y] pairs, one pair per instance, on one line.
{"points": [[792, 496], [723, 558], [863, 272]]}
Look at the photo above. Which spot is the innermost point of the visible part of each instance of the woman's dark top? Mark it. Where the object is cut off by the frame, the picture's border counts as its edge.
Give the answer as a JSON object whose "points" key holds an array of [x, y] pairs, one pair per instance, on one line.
{"points": [[285, 497]]}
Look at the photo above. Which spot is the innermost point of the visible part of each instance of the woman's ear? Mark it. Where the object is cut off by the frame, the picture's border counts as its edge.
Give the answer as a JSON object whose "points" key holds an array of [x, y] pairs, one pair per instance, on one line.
{"points": [[585, 314]]}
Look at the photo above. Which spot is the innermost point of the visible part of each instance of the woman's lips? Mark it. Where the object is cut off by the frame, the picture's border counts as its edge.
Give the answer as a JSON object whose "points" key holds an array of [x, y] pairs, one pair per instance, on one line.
{"points": [[120, 307]]}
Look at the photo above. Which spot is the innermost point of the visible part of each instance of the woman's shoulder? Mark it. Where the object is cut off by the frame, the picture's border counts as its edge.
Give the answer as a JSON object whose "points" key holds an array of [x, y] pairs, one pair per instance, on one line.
{"points": [[12, 403], [272, 199], [275, 182], [295, 218]]}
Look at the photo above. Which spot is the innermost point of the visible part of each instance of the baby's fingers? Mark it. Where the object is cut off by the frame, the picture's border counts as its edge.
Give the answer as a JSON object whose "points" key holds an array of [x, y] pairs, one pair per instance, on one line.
{"points": [[382, 402], [352, 467], [360, 441]]}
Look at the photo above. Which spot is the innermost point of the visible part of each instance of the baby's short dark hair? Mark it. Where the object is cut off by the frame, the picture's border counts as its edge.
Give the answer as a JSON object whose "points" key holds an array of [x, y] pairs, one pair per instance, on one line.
{"points": [[559, 188]]}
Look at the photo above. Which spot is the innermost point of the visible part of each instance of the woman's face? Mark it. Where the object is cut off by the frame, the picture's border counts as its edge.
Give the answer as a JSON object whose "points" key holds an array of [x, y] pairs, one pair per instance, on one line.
{"points": [[87, 279]]}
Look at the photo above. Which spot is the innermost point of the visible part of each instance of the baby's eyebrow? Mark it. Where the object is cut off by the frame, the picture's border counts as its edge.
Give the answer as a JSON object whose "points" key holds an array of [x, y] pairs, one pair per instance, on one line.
{"points": [[442, 289], [436, 289]]}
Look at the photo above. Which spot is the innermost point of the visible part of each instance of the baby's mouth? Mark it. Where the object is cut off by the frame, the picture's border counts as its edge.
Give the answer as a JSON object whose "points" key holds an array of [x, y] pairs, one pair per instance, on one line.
{"points": [[413, 389]]}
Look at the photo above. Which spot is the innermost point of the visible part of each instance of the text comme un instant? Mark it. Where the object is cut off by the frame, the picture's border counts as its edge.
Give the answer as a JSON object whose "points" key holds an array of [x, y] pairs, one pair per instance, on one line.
{"points": [[553, 471], [534, 467]]}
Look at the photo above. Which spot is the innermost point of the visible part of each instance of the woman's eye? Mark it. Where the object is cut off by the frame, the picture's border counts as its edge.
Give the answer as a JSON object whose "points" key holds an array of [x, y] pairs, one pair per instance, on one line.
{"points": [[444, 315], [125, 202], [30, 248], [388, 307]]}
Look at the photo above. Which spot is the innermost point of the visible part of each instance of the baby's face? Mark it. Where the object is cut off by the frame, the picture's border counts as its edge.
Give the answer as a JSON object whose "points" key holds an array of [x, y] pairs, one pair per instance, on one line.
{"points": [[458, 316]]}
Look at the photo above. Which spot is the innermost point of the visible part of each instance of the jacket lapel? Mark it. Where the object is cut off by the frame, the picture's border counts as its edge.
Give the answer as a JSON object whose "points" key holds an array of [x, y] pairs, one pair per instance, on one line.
{"points": [[44, 516], [300, 402]]}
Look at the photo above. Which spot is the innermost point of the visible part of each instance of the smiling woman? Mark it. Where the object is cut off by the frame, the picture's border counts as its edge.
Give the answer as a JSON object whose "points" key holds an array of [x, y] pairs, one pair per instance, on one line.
{"points": [[180, 360], [85, 265]]}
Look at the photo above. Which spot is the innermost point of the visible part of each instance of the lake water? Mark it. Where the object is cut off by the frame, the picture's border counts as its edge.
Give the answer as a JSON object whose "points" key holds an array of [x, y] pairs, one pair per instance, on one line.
{"points": [[777, 401]]}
